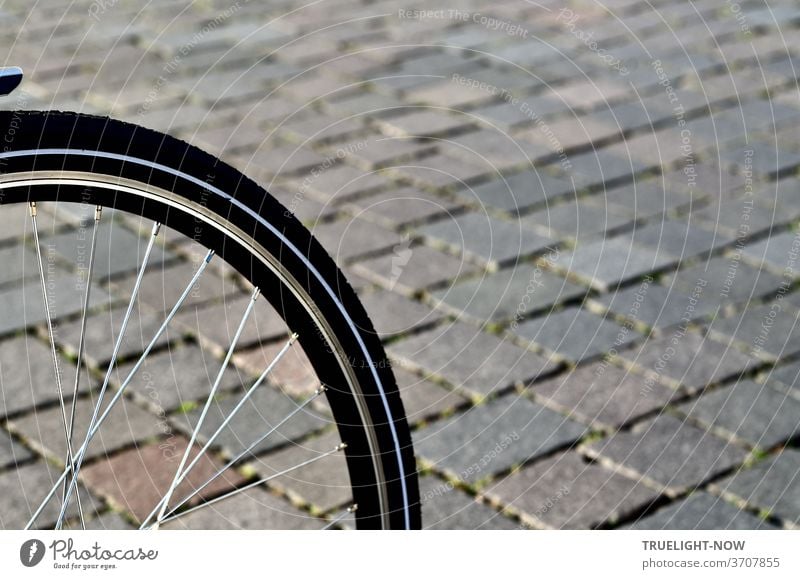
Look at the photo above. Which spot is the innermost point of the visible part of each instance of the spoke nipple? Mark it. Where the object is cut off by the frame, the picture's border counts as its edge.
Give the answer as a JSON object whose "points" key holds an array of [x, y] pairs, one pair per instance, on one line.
{"points": [[209, 256], [98, 211], [256, 293], [352, 508], [341, 446], [322, 389], [156, 228], [294, 338], [33, 208]]}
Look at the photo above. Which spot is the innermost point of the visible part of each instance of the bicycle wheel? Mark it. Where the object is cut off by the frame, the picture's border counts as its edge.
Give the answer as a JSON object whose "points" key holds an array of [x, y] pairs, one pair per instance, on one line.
{"points": [[55, 162]]}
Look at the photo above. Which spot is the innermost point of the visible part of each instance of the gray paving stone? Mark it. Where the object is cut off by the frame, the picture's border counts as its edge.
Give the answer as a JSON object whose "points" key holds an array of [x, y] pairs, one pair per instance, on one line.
{"points": [[602, 395], [102, 331], [771, 485], [180, 375], [566, 492], [612, 261], [472, 361], [324, 484], [442, 172], [672, 454], [680, 238], [425, 123], [577, 220], [261, 413], [217, 324], [727, 280], [769, 331], [126, 424], [422, 398], [492, 438], [401, 207], [19, 263], [643, 198], [519, 192], [700, 511], [393, 314], [118, 250], [757, 414], [36, 386], [774, 251], [348, 239], [689, 360], [576, 334], [11, 452], [785, 378], [22, 305], [659, 307], [410, 268], [510, 293], [22, 491], [446, 507], [486, 238]]}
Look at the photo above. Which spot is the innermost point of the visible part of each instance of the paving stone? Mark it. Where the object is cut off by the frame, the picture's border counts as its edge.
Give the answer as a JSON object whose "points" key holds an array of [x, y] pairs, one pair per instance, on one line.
{"points": [[486, 238], [412, 267], [684, 239], [320, 127], [393, 314], [700, 511], [284, 160], [423, 398], [566, 492], [348, 239], [770, 485], [643, 198], [446, 507], [177, 376], [401, 207], [22, 305], [262, 412], [603, 166], [373, 151], [470, 359], [441, 172], [118, 250], [325, 483], [162, 287], [294, 373], [425, 123], [576, 220], [689, 360], [660, 307], [774, 251], [11, 452], [602, 395], [103, 328], [25, 389], [252, 509], [109, 521], [135, 480], [338, 183], [218, 323], [612, 261], [125, 425], [759, 415], [512, 292], [784, 378], [493, 437], [19, 263], [518, 192], [23, 490], [496, 149], [769, 331], [670, 453], [575, 333], [727, 280]]}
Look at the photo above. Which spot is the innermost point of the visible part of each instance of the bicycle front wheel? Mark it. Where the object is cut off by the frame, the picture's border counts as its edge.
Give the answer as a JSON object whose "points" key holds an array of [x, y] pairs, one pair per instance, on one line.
{"points": [[171, 196]]}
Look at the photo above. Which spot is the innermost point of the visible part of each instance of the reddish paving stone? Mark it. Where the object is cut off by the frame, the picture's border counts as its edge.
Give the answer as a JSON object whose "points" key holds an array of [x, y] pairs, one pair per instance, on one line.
{"points": [[293, 373], [135, 480]]}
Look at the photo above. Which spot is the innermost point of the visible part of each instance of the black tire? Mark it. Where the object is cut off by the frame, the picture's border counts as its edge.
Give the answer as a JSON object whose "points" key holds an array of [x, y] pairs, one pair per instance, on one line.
{"points": [[256, 235]]}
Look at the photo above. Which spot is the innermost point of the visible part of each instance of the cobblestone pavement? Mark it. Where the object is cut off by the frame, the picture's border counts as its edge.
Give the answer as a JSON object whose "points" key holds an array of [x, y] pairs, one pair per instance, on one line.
{"points": [[575, 228]]}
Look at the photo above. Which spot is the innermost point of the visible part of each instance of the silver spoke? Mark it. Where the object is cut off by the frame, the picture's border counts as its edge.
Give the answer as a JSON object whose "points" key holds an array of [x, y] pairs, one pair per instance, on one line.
{"points": [[82, 340], [56, 368], [172, 515], [341, 517], [239, 456], [176, 479]]}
